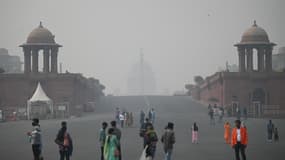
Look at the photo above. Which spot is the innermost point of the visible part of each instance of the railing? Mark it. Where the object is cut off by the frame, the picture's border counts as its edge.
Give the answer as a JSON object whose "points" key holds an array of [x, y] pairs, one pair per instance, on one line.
{"points": [[273, 110], [266, 111]]}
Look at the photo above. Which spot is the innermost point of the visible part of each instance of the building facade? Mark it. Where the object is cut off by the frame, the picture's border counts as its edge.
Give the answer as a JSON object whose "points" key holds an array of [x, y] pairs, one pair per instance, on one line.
{"points": [[279, 60], [256, 87], [69, 89], [9, 63]]}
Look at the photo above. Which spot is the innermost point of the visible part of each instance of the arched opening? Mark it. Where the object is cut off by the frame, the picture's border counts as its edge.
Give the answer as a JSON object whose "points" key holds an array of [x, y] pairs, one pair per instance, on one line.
{"points": [[258, 101], [255, 59], [258, 95]]}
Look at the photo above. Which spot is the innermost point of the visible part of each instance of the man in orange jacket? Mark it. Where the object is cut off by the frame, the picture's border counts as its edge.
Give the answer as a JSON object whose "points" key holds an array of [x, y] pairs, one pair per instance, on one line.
{"points": [[239, 140]]}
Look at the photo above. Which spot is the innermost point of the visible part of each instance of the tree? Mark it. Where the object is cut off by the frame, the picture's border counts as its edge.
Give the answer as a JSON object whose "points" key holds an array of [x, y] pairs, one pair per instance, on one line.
{"points": [[198, 80], [189, 87]]}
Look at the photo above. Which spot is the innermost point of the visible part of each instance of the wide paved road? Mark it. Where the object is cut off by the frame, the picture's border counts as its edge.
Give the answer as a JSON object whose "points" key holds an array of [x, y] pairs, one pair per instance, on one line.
{"points": [[180, 110]]}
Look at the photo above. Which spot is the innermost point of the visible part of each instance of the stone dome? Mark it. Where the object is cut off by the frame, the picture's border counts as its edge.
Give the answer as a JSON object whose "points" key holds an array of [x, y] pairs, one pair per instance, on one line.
{"points": [[255, 35], [40, 35]]}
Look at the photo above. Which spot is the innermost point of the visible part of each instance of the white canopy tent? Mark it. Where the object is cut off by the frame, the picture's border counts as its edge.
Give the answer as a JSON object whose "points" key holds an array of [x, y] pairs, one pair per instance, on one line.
{"points": [[39, 96]]}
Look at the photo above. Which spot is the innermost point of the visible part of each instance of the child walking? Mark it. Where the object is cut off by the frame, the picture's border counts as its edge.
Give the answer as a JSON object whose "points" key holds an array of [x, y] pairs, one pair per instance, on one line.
{"points": [[276, 136], [195, 133]]}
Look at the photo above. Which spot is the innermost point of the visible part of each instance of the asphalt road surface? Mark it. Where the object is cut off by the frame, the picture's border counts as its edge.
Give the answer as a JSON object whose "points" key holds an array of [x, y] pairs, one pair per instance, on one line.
{"points": [[181, 110]]}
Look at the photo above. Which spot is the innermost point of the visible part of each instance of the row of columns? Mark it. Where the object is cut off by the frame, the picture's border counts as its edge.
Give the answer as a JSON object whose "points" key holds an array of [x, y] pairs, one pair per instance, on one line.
{"points": [[264, 59], [32, 66]]}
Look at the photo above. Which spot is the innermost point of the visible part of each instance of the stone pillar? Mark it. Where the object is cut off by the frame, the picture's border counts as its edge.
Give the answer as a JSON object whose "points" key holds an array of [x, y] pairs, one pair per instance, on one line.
{"points": [[241, 53], [35, 57], [260, 58], [46, 60], [27, 60], [249, 59], [54, 52], [268, 59]]}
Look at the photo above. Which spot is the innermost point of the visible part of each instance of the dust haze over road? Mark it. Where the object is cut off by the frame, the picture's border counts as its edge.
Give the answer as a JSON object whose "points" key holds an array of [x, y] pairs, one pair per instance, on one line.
{"points": [[183, 111]]}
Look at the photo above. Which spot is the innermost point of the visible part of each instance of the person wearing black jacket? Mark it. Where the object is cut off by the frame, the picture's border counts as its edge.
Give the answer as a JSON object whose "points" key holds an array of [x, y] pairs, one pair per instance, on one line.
{"points": [[64, 142]]}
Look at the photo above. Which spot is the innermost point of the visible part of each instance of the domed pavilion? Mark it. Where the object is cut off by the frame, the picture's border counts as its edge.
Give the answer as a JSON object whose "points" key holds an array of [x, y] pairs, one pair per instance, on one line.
{"points": [[40, 39], [256, 89], [255, 38]]}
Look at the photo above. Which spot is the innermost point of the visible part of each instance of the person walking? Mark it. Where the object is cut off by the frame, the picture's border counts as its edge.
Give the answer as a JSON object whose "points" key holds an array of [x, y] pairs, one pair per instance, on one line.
{"points": [[143, 130], [64, 142], [220, 114], [111, 147], [122, 119], [239, 140], [142, 117], [127, 119], [195, 133], [168, 140], [102, 138], [209, 106], [36, 140], [238, 112], [118, 134], [270, 131], [150, 116], [211, 114], [131, 119], [117, 115], [227, 132], [276, 135], [152, 120], [151, 141]]}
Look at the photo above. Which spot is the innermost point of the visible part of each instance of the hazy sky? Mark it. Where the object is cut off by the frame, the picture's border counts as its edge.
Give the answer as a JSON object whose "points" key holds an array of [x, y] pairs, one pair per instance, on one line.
{"points": [[180, 38]]}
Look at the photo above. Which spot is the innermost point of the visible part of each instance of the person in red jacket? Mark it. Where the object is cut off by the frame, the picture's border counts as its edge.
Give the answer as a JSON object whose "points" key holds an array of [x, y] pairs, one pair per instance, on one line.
{"points": [[239, 140]]}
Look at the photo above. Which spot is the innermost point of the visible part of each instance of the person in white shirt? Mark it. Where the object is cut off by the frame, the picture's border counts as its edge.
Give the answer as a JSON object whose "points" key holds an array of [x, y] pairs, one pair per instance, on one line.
{"points": [[122, 119]]}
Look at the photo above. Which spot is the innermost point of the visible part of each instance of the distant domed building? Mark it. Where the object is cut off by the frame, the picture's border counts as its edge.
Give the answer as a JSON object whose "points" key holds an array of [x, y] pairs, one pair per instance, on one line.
{"points": [[256, 89], [141, 79]]}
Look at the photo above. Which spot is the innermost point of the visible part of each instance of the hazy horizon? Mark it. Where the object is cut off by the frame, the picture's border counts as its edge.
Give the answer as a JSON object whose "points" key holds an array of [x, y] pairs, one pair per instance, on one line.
{"points": [[180, 39]]}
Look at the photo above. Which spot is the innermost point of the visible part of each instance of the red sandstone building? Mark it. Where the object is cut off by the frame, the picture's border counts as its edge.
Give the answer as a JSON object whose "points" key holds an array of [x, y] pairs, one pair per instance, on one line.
{"points": [[71, 90], [255, 86]]}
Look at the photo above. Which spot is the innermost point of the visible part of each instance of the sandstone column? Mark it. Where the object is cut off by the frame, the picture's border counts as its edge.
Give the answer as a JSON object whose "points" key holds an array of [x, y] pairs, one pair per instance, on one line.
{"points": [[241, 52], [249, 59], [46, 60], [27, 60], [269, 59], [260, 58], [54, 52], [35, 57]]}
